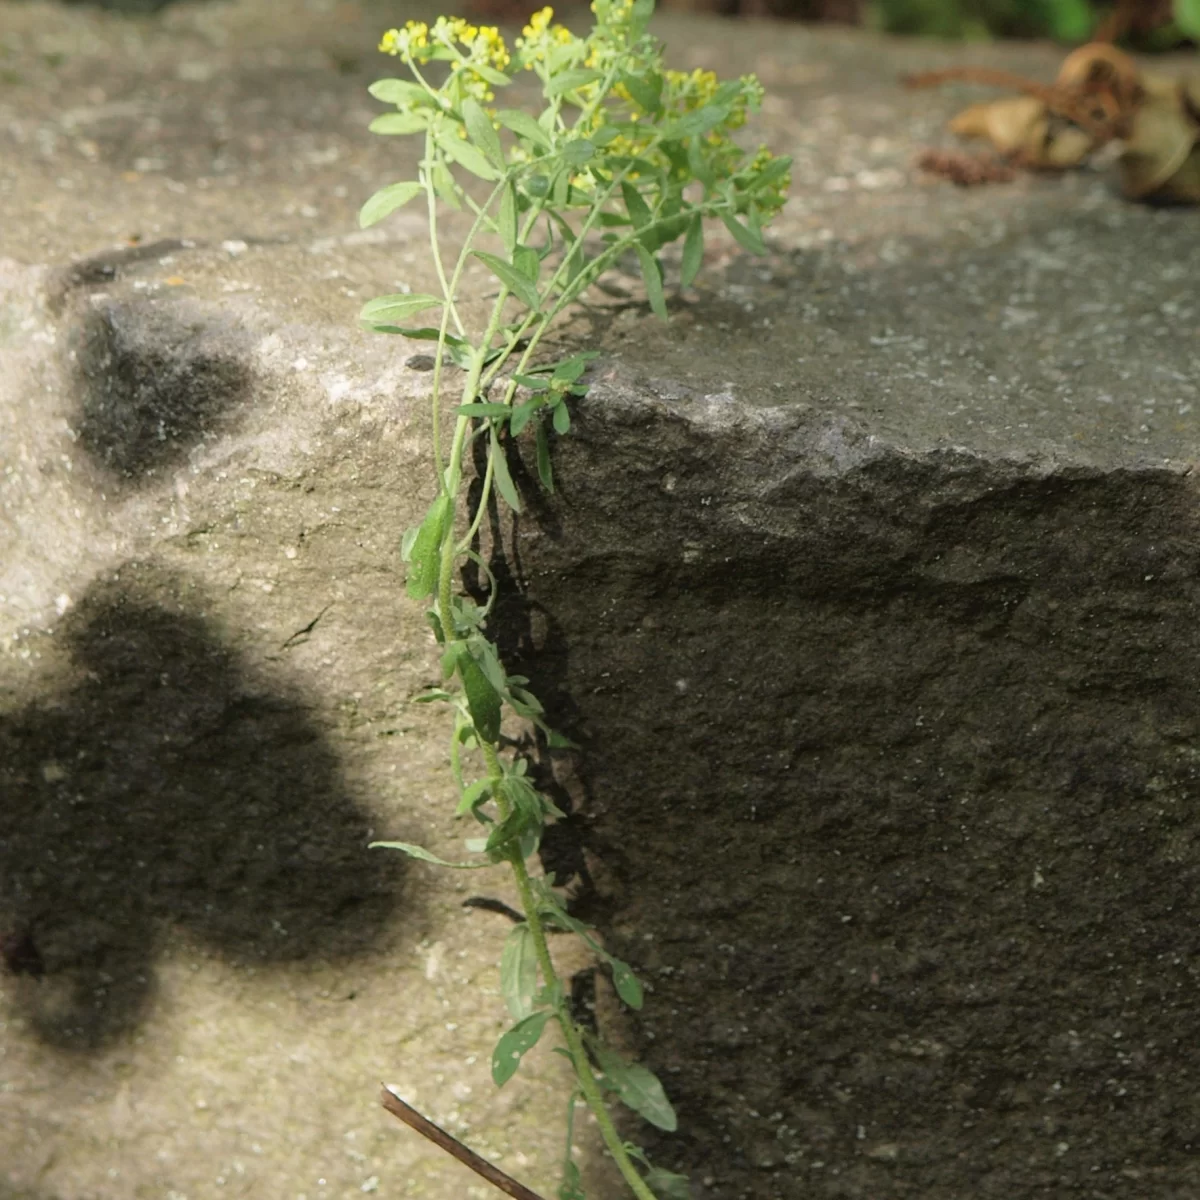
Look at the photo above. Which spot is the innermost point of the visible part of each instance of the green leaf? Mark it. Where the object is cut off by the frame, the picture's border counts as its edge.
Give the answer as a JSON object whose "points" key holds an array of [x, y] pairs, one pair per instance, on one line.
{"points": [[389, 309], [569, 81], [507, 220], [571, 1187], [458, 349], [518, 972], [481, 133], [483, 701], [626, 982], [513, 279], [484, 410], [578, 151], [494, 77], [462, 152], [527, 260], [524, 126], [652, 275], [424, 556], [387, 200], [646, 91], [561, 418], [521, 414], [517, 1042], [478, 793], [401, 122], [693, 251], [545, 474], [445, 187], [399, 91], [637, 1087], [699, 121], [777, 168], [668, 1184], [639, 211], [560, 189], [504, 482], [746, 238], [570, 369], [538, 186], [426, 855]]}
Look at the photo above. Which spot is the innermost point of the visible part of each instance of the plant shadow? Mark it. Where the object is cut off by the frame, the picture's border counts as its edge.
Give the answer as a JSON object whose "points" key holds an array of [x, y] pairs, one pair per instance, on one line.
{"points": [[168, 785]]}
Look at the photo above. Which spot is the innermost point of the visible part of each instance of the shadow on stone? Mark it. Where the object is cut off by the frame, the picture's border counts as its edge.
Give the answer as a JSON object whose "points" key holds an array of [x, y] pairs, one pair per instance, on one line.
{"points": [[153, 381], [169, 786]]}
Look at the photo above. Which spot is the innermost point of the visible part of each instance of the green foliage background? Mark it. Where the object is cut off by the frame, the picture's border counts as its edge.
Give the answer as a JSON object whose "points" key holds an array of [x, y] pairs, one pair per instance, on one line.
{"points": [[1063, 20]]}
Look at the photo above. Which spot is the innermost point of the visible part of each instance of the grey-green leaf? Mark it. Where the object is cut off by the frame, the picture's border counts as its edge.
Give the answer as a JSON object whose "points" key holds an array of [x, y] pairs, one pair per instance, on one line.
{"points": [[514, 280], [646, 90], [746, 238], [473, 796], [693, 251], [628, 986], [637, 1087], [568, 81], [426, 855], [399, 91], [545, 473], [518, 972], [523, 125], [424, 555], [387, 310], [483, 701], [494, 77], [504, 481], [521, 414], [507, 220], [652, 275], [387, 200], [462, 152], [400, 122], [481, 133], [668, 1185], [578, 152], [571, 1187], [638, 209], [517, 1042], [526, 260]]}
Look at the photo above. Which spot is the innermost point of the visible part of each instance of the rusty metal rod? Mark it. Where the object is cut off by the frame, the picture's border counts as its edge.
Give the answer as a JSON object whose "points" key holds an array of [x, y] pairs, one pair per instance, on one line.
{"points": [[452, 1146]]}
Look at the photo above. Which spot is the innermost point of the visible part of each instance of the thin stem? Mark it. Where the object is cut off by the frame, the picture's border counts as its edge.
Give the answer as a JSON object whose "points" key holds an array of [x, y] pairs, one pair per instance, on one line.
{"points": [[571, 1034]]}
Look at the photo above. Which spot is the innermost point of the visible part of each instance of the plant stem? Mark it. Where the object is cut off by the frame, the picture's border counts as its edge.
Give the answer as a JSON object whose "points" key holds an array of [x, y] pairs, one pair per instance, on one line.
{"points": [[575, 1047]]}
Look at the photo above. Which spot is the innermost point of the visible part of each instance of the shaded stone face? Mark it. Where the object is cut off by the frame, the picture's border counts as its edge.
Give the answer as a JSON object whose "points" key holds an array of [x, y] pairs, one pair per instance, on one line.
{"points": [[887, 786]]}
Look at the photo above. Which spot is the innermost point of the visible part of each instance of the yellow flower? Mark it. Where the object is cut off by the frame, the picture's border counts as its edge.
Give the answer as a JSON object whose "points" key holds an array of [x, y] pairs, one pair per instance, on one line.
{"points": [[412, 40], [538, 23]]}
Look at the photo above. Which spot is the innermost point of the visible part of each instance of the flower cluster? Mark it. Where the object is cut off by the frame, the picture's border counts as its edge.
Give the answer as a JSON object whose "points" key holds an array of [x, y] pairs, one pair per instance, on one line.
{"points": [[539, 39], [410, 42], [476, 53]]}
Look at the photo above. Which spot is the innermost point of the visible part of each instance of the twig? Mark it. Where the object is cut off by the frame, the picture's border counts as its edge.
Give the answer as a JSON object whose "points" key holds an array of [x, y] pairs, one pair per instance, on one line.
{"points": [[452, 1146]]}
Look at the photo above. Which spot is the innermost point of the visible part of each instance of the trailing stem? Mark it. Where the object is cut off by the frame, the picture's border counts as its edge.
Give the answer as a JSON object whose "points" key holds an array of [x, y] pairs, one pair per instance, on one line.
{"points": [[626, 157]]}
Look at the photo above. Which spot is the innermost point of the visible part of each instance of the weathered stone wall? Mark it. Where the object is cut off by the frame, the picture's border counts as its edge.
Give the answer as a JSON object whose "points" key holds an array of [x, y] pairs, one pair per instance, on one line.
{"points": [[868, 590]]}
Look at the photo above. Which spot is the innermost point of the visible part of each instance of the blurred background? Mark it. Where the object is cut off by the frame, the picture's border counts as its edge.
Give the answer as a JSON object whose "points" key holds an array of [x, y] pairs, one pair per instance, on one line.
{"points": [[1142, 25]]}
